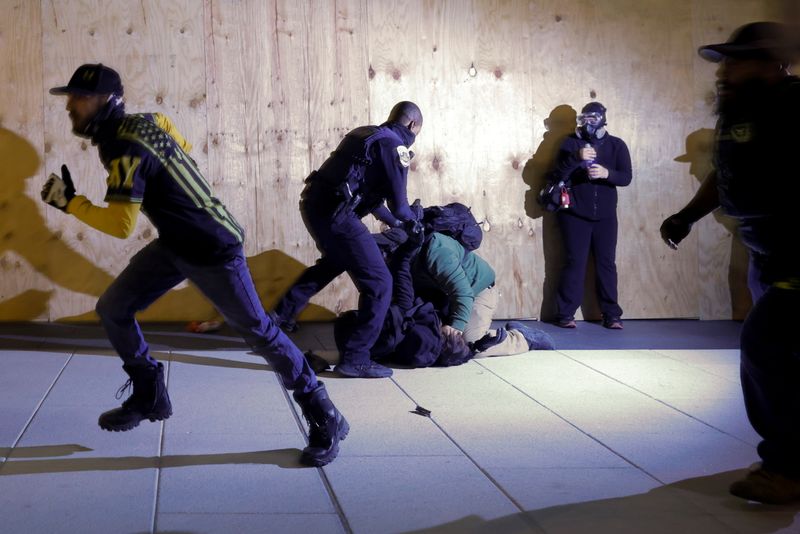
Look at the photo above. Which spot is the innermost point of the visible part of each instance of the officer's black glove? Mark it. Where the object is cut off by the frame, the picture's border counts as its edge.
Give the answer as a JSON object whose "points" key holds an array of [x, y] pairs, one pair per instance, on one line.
{"points": [[674, 229], [417, 209], [59, 190], [415, 231]]}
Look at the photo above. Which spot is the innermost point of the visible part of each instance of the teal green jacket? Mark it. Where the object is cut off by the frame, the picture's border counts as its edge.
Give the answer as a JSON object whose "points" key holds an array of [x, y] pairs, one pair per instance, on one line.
{"points": [[444, 266]]}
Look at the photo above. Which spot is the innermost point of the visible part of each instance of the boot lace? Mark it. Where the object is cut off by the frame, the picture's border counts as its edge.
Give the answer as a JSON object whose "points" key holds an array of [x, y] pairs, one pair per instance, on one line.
{"points": [[122, 390]]}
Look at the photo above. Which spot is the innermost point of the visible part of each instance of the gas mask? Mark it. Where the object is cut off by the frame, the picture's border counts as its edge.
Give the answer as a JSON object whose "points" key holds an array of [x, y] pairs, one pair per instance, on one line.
{"points": [[592, 125], [592, 121]]}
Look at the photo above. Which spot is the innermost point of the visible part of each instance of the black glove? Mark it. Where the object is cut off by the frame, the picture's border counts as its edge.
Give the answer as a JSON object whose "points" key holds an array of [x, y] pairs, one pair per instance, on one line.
{"points": [[415, 231], [417, 209], [674, 229], [59, 190]]}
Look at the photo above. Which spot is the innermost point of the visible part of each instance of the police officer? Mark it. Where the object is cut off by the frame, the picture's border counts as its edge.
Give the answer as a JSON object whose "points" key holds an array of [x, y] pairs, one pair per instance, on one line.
{"points": [[150, 170], [368, 168], [593, 164], [755, 180]]}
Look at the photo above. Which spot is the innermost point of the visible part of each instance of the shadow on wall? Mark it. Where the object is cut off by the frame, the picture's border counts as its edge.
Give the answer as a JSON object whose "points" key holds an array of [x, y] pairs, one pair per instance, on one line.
{"points": [[699, 504], [699, 153], [273, 273], [558, 125], [23, 231]]}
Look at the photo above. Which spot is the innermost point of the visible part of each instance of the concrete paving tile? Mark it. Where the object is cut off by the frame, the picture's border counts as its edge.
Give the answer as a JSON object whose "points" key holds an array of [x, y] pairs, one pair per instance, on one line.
{"points": [[695, 391], [64, 428], [246, 523], [584, 397], [24, 381], [658, 511], [660, 377], [398, 494], [755, 519], [13, 420], [723, 362], [239, 474], [497, 425], [237, 446], [727, 415], [87, 501], [90, 379], [671, 456], [228, 399], [710, 494], [536, 488], [381, 422]]}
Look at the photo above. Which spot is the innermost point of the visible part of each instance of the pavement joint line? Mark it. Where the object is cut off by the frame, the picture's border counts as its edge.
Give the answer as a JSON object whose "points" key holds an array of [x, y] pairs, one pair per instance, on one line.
{"points": [[483, 471], [664, 403], [36, 410], [573, 425], [320, 470]]}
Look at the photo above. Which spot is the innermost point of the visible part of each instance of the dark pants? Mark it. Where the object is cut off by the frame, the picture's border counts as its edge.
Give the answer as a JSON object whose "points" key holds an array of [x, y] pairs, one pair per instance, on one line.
{"points": [[770, 372], [581, 236], [154, 270], [346, 245]]}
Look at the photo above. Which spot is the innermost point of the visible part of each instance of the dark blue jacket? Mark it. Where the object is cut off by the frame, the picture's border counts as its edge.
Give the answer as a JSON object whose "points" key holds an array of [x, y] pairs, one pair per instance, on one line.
{"points": [[385, 166], [593, 199]]}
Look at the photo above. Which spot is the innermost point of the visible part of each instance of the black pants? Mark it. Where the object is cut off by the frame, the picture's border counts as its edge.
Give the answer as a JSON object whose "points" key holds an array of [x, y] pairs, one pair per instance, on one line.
{"points": [[770, 370], [346, 246], [581, 236]]}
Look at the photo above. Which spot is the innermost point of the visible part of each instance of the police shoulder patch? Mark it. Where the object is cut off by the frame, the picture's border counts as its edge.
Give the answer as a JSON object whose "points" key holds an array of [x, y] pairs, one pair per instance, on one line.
{"points": [[405, 155], [742, 133]]}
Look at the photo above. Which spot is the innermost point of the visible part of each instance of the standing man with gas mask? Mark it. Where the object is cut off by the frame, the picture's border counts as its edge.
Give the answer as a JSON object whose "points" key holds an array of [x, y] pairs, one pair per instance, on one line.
{"points": [[756, 181], [593, 163], [198, 239], [368, 168]]}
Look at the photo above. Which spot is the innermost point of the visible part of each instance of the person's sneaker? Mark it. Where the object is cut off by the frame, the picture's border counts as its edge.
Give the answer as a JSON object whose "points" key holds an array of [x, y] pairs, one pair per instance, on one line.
{"points": [[612, 323], [537, 339], [490, 340], [363, 370], [565, 323], [767, 487]]}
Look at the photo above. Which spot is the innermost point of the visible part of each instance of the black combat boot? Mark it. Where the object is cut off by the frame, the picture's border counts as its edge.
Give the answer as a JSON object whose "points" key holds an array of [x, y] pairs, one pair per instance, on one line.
{"points": [[149, 400], [326, 426]]}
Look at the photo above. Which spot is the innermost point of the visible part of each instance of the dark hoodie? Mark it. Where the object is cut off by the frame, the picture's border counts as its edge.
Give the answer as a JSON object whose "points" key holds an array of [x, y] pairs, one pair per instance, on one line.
{"points": [[593, 199]]}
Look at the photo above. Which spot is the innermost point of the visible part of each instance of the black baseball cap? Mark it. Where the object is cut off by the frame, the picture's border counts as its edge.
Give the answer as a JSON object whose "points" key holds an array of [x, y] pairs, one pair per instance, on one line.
{"points": [[757, 40], [91, 79]]}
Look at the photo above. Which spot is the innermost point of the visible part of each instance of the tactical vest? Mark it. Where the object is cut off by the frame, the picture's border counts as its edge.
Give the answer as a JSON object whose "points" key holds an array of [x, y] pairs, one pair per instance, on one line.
{"points": [[344, 172]]}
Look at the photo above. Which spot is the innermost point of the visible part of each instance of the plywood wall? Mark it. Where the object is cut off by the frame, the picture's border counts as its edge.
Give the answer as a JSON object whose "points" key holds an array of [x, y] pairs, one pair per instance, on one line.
{"points": [[264, 89]]}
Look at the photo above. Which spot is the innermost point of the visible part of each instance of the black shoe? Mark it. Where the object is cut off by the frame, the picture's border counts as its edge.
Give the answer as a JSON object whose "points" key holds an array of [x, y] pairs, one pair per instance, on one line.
{"points": [[326, 427], [149, 400], [490, 340], [363, 370]]}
